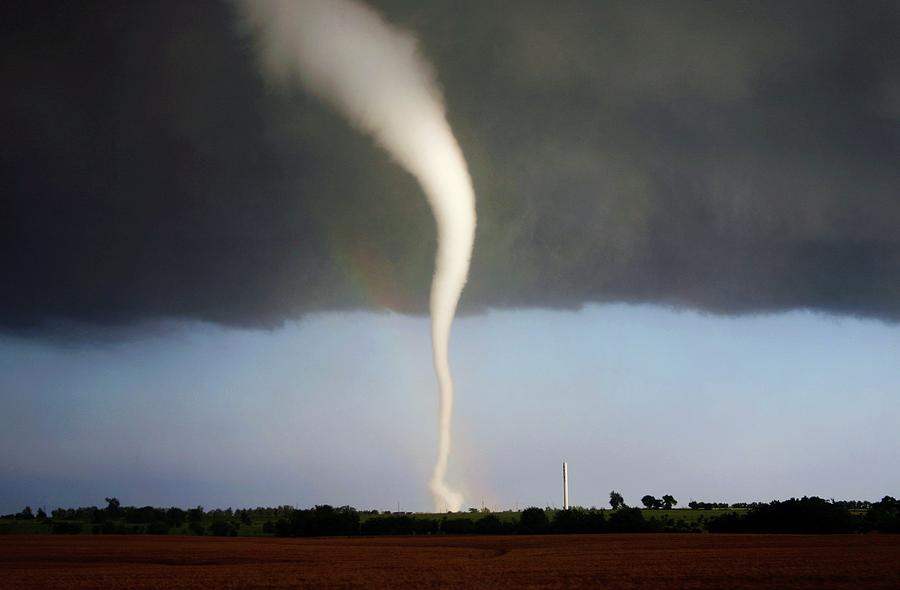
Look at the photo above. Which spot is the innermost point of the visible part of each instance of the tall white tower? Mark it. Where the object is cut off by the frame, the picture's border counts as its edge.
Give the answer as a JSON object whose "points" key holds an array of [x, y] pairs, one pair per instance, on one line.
{"points": [[565, 486]]}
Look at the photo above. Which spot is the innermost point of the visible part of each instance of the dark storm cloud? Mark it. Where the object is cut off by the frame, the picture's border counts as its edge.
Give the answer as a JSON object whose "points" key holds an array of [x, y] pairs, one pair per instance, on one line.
{"points": [[730, 157]]}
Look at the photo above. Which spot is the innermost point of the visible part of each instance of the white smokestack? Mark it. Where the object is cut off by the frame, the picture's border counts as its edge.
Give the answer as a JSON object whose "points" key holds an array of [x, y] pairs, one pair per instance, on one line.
{"points": [[565, 486], [372, 73]]}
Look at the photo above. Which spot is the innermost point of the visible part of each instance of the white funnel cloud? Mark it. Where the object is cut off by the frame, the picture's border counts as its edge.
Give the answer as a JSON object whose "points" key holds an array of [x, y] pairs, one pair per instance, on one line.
{"points": [[373, 74]]}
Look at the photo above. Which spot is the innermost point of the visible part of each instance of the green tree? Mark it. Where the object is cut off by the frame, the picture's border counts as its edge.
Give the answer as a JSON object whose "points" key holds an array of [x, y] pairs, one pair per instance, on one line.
{"points": [[66, 528], [158, 528], [650, 501], [175, 516], [616, 500], [488, 525], [458, 526], [533, 521], [224, 528], [245, 517], [626, 520], [112, 507], [669, 501], [884, 516], [195, 514]]}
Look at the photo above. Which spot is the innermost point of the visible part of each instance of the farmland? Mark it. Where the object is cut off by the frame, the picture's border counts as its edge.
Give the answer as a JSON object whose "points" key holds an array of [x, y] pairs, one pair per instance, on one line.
{"points": [[613, 561]]}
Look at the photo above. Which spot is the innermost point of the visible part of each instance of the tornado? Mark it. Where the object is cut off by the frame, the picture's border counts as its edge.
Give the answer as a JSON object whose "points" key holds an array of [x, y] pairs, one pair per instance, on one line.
{"points": [[374, 75]]}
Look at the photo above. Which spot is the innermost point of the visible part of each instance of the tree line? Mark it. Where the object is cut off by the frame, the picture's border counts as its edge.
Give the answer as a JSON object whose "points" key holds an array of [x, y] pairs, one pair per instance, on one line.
{"points": [[803, 515], [810, 515], [327, 520], [134, 520]]}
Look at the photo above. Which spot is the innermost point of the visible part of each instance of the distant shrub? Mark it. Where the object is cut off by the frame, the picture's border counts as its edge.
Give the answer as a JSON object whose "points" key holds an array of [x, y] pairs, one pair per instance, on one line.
{"points": [[626, 520], [533, 521], [224, 528], [883, 516], [806, 515], [579, 520], [66, 528], [158, 528], [175, 516], [95, 515], [388, 525], [320, 521], [730, 522], [399, 524], [142, 515], [282, 528], [667, 524], [197, 528], [457, 526], [693, 505], [488, 525], [195, 514], [427, 526], [113, 528]]}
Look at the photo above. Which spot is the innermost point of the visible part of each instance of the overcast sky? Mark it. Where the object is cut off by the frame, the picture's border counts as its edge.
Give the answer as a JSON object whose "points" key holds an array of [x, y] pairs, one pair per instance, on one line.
{"points": [[686, 275]]}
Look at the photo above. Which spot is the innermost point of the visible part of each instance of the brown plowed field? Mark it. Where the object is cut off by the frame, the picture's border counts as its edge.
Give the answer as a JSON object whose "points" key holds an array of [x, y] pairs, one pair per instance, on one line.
{"points": [[610, 562]]}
